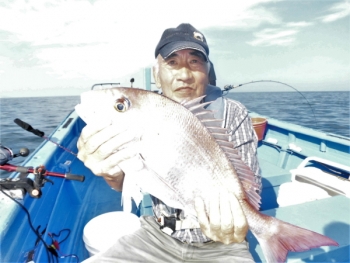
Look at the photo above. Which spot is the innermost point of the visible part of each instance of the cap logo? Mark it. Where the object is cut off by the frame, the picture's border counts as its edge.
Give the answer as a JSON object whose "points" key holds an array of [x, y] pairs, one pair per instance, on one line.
{"points": [[198, 36]]}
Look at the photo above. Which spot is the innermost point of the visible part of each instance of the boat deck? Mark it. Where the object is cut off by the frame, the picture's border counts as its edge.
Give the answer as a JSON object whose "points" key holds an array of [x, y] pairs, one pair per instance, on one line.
{"points": [[71, 204]]}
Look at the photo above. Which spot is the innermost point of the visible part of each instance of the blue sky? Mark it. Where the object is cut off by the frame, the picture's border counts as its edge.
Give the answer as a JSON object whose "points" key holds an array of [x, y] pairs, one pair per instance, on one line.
{"points": [[64, 47]]}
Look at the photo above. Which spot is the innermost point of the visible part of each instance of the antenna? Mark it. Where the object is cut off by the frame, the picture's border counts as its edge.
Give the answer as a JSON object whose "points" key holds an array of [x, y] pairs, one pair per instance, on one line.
{"points": [[132, 81]]}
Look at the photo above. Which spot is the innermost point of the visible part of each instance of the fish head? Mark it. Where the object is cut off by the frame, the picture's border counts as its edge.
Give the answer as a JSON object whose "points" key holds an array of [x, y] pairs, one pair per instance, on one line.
{"points": [[115, 104], [120, 105]]}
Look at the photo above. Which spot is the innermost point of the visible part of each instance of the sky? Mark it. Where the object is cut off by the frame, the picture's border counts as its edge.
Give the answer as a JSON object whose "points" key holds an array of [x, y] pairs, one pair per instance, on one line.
{"points": [[58, 48]]}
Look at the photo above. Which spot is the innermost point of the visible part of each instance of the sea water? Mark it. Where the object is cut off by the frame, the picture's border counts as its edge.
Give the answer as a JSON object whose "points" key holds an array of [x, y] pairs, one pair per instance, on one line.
{"points": [[324, 111]]}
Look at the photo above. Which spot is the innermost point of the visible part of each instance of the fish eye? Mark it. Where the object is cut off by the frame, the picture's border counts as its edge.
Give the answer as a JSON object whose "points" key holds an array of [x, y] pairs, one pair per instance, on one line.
{"points": [[122, 104], [120, 107]]}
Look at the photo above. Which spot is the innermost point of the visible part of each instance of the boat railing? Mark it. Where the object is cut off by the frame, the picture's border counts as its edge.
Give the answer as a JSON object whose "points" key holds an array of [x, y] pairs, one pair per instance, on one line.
{"points": [[101, 85]]}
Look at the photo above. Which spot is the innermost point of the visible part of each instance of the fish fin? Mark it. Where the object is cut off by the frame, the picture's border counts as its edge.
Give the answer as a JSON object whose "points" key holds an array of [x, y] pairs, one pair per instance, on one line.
{"points": [[205, 114], [153, 183], [221, 136], [245, 175], [287, 237], [223, 143], [189, 103], [218, 130], [197, 107]]}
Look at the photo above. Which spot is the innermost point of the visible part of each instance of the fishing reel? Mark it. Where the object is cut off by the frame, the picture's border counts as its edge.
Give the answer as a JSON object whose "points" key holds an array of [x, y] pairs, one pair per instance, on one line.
{"points": [[6, 154], [31, 186]]}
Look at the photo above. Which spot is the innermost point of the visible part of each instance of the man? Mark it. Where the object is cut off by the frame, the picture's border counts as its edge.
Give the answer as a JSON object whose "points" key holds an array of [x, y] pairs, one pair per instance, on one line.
{"points": [[182, 73]]}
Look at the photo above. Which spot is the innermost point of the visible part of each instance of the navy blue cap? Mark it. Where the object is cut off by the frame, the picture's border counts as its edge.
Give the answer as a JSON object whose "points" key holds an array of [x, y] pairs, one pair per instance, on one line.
{"points": [[185, 36]]}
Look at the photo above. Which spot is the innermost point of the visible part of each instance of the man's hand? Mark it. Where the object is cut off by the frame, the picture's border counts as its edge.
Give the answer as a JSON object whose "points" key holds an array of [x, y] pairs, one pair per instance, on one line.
{"points": [[226, 221], [101, 148]]}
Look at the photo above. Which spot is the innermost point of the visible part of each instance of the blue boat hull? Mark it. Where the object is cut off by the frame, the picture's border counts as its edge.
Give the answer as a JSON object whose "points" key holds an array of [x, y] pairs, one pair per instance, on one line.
{"points": [[71, 204]]}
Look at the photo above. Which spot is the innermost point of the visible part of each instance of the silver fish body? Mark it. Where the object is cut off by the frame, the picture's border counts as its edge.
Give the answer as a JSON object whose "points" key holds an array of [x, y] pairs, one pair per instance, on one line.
{"points": [[186, 154]]}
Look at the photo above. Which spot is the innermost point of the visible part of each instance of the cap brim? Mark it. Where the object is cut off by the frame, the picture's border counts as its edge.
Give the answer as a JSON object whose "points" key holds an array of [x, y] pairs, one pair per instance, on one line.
{"points": [[172, 47]]}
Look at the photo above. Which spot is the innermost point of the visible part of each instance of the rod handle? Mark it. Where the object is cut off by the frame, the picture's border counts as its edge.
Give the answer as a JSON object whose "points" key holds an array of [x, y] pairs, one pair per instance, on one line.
{"points": [[75, 177], [28, 127]]}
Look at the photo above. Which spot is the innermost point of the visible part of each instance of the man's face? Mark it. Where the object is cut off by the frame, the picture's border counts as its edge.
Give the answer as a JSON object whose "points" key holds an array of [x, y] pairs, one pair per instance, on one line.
{"points": [[182, 75]]}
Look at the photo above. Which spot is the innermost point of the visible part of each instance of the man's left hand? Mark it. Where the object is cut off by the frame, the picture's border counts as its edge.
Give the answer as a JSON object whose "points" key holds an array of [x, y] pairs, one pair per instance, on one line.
{"points": [[226, 221]]}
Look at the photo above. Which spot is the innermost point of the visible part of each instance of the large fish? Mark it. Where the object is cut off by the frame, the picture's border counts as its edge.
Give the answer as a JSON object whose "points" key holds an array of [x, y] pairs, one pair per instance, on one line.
{"points": [[186, 154]]}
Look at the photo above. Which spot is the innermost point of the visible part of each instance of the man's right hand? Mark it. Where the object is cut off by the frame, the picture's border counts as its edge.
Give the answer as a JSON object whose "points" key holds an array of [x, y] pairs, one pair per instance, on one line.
{"points": [[102, 148]]}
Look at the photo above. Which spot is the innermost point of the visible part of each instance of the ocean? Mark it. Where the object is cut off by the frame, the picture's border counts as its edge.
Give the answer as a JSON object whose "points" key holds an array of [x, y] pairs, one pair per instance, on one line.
{"points": [[325, 111]]}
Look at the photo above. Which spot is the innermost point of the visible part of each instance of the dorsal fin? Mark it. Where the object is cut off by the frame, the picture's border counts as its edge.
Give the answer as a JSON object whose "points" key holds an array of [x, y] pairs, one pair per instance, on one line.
{"points": [[221, 136], [189, 103], [217, 130], [205, 114], [224, 143]]}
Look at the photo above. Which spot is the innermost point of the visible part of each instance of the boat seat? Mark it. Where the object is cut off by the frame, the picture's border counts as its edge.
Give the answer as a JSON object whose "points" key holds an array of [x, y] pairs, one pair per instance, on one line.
{"points": [[312, 183]]}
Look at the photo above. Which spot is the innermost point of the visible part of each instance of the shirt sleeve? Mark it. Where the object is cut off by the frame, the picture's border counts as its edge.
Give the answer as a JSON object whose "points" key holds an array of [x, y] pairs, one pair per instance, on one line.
{"points": [[243, 136]]}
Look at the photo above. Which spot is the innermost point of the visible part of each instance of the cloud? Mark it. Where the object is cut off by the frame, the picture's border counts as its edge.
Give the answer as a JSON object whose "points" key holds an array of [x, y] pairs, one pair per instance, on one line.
{"points": [[274, 37], [299, 24], [73, 22], [286, 34], [283, 36], [337, 11], [99, 39]]}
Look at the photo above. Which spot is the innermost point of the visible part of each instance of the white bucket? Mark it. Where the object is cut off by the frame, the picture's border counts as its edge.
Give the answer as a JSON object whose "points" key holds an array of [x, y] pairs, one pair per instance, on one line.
{"points": [[101, 232]]}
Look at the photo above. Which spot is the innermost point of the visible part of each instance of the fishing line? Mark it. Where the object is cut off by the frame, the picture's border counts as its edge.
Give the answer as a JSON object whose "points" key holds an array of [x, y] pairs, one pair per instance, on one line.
{"points": [[39, 133], [227, 88]]}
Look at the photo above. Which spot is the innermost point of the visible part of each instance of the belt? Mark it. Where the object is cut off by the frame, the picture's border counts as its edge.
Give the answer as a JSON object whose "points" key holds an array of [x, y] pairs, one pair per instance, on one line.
{"points": [[171, 224]]}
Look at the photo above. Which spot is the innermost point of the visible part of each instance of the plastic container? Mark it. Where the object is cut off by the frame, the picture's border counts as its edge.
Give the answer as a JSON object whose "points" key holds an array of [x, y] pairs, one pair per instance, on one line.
{"points": [[101, 232], [259, 125]]}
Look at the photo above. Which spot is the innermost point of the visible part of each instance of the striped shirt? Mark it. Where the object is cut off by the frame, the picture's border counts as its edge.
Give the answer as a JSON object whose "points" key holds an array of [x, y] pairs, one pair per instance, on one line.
{"points": [[238, 123]]}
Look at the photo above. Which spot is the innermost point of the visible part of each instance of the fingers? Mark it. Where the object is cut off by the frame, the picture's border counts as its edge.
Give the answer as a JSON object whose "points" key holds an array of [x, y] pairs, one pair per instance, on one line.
{"points": [[221, 218], [90, 130], [240, 221], [102, 148], [92, 138], [215, 216], [226, 221], [114, 142], [202, 216], [99, 164], [227, 218], [85, 148]]}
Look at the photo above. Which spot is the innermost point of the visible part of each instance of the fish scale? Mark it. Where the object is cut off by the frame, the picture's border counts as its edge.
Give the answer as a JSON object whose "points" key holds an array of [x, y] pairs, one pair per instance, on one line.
{"points": [[183, 160]]}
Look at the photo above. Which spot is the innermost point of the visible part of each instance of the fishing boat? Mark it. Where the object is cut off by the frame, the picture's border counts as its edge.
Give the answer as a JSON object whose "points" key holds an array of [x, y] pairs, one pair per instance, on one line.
{"points": [[305, 182]]}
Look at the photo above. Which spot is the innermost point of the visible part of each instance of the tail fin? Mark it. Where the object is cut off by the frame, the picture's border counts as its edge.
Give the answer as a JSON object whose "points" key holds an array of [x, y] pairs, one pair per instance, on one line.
{"points": [[287, 237]]}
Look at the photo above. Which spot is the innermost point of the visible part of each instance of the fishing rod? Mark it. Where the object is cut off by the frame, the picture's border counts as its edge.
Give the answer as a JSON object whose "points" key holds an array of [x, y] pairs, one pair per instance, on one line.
{"points": [[15, 188], [22, 169], [39, 133], [33, 187], [229, 87]]}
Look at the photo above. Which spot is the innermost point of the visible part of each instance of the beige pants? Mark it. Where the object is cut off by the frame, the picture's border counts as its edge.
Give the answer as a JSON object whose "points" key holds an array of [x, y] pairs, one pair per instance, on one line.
{"points": [[149, 244]]}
